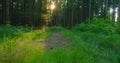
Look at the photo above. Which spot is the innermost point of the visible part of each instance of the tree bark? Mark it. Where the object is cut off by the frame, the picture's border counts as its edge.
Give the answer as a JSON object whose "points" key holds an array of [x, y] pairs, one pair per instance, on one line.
{"points": [[8, 12], [89, 9]]}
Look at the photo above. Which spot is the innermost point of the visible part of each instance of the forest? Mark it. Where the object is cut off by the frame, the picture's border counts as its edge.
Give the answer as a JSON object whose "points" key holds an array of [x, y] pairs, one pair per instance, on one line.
{"points": [[67, 13], [59, 31]]}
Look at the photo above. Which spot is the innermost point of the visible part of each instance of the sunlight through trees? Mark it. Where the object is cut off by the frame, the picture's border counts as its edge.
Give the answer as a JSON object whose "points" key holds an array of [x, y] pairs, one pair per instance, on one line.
{"points": [[52, 7], [64, 12]]}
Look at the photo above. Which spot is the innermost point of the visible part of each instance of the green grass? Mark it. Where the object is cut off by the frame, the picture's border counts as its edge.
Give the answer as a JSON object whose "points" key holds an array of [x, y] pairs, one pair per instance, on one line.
{"points": [[10, 32], [92, 49], [20, 44], [92, 42], [97, 40]]}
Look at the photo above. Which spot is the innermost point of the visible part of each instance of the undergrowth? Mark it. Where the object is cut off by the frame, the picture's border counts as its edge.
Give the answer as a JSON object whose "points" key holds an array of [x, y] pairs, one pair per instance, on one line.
{"points": [[96, 41], [21, 44]]}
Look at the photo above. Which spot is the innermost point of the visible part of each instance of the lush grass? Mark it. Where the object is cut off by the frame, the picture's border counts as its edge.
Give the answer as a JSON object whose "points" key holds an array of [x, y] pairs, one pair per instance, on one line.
{"points": [[98, 41], [93, 49], [21, 44], [90, 42], [87, 47], [10, 32]]}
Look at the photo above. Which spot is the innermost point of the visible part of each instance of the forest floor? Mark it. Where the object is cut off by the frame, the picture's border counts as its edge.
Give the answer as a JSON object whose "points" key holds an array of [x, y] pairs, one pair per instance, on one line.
{"points": [[57, 40], [30, 47], [58, 45]]}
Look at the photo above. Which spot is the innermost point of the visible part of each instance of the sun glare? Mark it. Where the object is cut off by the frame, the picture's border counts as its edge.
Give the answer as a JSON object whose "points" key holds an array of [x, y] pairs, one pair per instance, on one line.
{"points": [[52, 7]]}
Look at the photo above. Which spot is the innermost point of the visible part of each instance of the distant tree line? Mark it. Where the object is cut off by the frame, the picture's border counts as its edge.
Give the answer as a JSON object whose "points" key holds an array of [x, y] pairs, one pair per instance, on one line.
{"points": [[67, 12], [21, 12], [77, 11]]}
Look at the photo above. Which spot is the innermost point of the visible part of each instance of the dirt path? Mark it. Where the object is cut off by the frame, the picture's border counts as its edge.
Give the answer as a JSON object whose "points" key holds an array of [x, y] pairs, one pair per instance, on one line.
{"points": [[56, 40]]}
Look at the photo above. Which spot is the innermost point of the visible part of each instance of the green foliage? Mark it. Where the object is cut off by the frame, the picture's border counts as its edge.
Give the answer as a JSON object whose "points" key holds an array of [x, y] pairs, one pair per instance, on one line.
{"points": [[117, 24], [95, 48], [12, 31], [97, 26], [23, 47], [90, 42], [99, 38], [56, 28]]}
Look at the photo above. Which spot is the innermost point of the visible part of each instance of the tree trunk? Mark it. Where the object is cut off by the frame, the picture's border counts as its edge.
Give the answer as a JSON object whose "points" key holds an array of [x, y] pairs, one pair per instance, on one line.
{"points": [[89, 9], [8, 12], [106, 9]]}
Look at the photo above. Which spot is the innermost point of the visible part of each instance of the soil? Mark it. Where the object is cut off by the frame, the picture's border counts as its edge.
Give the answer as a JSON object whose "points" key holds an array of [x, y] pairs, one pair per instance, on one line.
{"points": [[56, 40]]}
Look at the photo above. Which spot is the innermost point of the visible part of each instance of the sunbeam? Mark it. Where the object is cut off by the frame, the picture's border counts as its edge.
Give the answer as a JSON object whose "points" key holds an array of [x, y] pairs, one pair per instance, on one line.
{"points": [[116, 14]]}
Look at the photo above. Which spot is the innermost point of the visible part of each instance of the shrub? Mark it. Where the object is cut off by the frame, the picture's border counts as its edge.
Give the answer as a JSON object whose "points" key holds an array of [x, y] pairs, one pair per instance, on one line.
{"points": [[96, 26]]}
